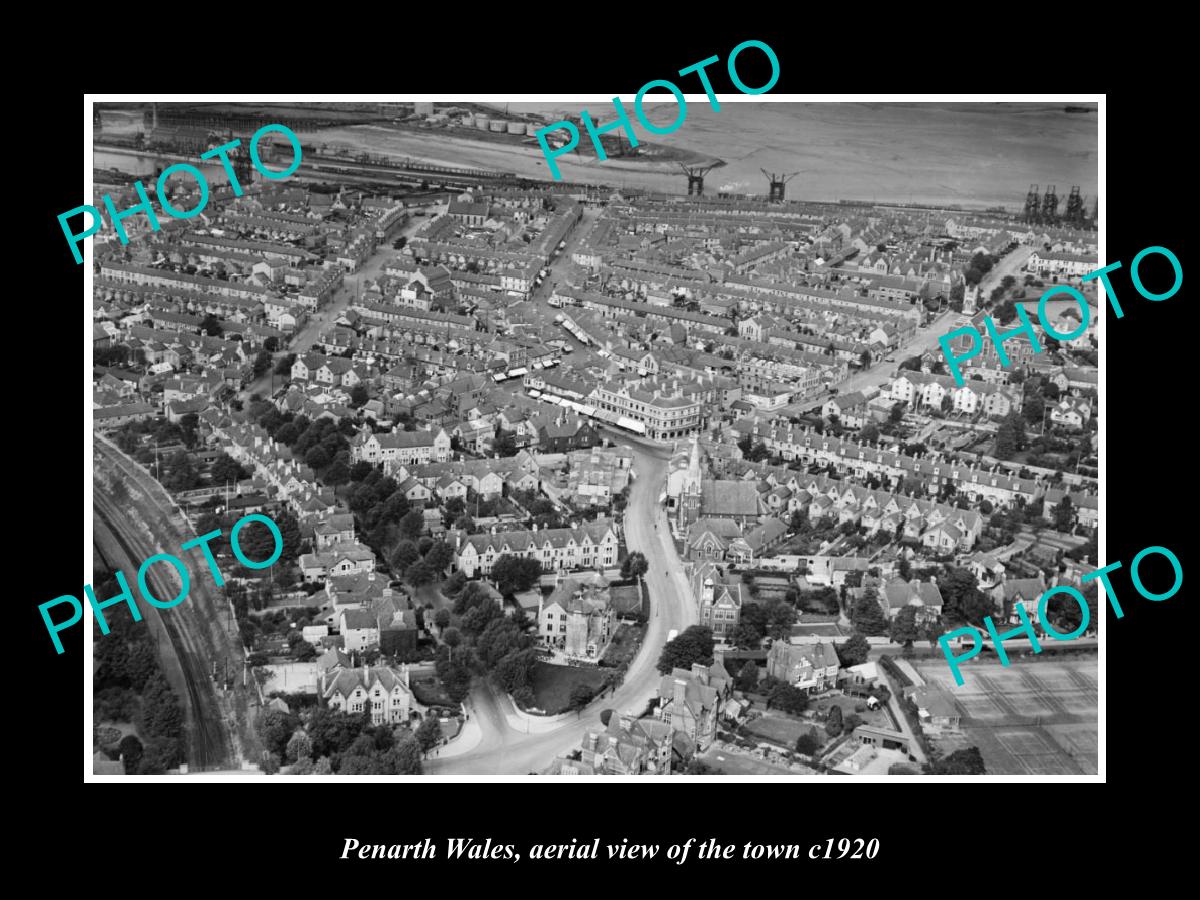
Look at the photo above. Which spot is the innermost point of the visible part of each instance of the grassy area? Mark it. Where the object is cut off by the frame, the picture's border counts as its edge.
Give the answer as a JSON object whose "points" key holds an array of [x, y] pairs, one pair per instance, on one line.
{"points": [[778, 729], [430, 692], [848, 704], [552, 684], [624, 646]]}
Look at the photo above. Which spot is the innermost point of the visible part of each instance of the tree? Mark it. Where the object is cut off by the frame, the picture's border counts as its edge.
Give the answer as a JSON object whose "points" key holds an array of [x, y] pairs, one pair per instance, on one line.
{"points": [[226, 468], [695, 644], [262, 362], [747, 677], [897, 412], [162, 716], [515, 573], [131, 750], [404, 555], [284, 366], [303, 651], [452, 637], [868, 434], [1064, 514], [441, 618], [332, 731], [298, 747], [785, 697], [359, 395], [270, 763], [405, 755], [867, 614], [317, 458], [581, 695], [439, 556], [210, 326], [275, 729], [864, 358], [833, 725], [809, 743], [904, 626], [634, 566], [420, 573], [412, 524], [429, 733], [854, 651], [180, 472], [968, 761]]}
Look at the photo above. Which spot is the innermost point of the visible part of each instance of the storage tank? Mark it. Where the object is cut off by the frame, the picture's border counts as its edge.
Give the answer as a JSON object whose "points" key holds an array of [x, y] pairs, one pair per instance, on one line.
{"points": [[496, 125], [481, 122], [516, 127]]}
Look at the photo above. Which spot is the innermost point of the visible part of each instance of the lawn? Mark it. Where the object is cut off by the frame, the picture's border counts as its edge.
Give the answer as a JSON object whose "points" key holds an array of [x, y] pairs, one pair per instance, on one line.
{"points": [[778, 729], [552, 684], [875, 717]]}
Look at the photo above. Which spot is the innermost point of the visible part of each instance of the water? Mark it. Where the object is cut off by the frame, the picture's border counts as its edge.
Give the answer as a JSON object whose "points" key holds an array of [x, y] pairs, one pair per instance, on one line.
{"points": [[972, 154]]}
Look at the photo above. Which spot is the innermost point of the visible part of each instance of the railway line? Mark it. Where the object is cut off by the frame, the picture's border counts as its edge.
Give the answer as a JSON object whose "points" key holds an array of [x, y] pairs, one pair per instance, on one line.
{"points": [[188, 626]]}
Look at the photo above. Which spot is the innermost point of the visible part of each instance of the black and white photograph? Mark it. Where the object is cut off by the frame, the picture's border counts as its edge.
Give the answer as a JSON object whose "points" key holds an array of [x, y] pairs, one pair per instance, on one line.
{"points": [[495, 438]]}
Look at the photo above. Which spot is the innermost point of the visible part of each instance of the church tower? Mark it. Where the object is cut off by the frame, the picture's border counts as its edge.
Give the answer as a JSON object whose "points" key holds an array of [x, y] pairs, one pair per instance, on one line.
{"points": [[689, 498]]}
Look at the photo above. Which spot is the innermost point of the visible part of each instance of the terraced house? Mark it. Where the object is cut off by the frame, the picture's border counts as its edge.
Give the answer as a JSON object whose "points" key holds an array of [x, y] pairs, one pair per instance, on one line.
{"points": [[587, 546], [860, 461], [400, 448]]}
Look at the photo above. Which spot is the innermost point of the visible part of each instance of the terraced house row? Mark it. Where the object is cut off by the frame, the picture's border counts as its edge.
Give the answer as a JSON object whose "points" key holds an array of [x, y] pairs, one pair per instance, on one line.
{"points": [[798, 443], [939, 526], [587, 546]]}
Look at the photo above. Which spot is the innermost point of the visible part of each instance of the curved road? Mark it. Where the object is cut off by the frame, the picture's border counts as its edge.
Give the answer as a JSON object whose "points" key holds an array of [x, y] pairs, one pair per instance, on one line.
{"points": [[507, 751]]}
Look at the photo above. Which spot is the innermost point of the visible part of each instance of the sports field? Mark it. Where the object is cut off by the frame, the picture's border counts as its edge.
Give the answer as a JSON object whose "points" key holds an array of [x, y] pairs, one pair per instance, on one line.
{"points": [[1029, 718]]}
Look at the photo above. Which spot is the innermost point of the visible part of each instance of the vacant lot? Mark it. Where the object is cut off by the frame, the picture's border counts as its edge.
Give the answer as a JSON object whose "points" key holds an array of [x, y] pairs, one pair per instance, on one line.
{"points": [[1029, 718], [552, 684]]}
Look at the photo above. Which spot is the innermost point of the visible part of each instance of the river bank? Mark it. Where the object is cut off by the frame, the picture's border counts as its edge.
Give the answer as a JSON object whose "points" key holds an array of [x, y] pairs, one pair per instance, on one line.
{"points": [[446, 148]]}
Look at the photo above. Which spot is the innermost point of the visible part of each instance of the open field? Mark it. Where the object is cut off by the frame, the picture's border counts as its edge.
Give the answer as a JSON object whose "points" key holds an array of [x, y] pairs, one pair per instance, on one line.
{"points": [[1036, 718]]}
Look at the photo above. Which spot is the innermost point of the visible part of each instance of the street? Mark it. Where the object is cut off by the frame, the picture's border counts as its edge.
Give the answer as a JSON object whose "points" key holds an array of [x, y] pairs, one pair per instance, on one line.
{"points": [[506, 751], [303, 339]]}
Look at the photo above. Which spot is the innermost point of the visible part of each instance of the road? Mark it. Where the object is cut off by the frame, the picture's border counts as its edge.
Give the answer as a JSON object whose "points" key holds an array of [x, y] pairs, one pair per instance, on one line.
{"points": [[1008, 265], [200, 628], [507, 751], [303, 339]]}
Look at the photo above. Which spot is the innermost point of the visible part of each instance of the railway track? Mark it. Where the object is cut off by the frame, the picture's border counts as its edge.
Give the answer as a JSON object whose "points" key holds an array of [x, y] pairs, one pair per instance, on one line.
{"points": [[206, 749], [188, 626]]}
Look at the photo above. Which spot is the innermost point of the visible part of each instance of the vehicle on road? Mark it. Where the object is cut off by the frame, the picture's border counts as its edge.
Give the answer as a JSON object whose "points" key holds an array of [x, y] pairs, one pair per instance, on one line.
{"points": [[672, 634], [891, 358]]}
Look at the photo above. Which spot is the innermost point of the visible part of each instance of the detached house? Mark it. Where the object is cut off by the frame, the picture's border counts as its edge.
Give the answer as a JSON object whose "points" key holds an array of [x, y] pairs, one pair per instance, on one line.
{"points": [[810, 667]]}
